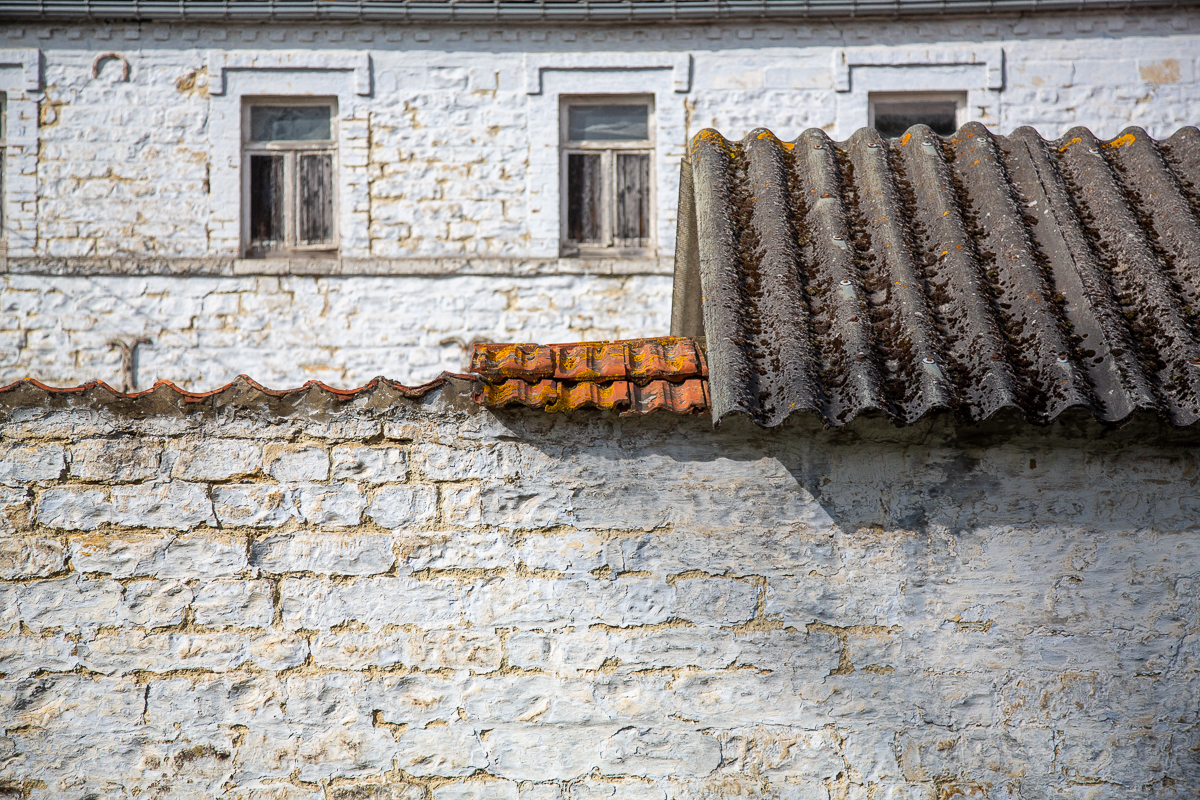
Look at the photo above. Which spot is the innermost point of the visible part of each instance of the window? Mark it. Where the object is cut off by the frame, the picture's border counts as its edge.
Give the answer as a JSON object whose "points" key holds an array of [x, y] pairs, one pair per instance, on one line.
{"points": [[893, 113], [289, 166], [606, 175]]}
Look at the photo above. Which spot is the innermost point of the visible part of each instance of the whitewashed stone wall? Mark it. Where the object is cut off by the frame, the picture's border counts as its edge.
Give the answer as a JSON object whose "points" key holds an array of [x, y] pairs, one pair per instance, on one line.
{"points": [[416, 599], [201, 332], [448, 153]]}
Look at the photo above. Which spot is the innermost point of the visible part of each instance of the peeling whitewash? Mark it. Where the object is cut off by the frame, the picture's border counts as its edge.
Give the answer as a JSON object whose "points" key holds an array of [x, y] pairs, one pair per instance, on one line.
{"points": [[423, 600], [124, 159]]}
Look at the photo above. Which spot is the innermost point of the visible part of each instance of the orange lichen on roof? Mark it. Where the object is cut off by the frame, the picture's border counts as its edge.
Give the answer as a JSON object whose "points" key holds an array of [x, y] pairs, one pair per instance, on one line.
{"points": [[635, 376]]}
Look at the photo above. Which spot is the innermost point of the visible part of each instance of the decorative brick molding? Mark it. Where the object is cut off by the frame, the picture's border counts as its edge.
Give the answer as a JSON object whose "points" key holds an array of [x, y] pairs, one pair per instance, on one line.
{"points": [[357, 62], [680, 65], [29, 59], [843, 59]]}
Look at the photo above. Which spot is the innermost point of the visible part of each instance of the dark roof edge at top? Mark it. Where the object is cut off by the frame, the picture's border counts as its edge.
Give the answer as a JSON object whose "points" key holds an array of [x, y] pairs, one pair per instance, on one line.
{"points": [[535, 11]]}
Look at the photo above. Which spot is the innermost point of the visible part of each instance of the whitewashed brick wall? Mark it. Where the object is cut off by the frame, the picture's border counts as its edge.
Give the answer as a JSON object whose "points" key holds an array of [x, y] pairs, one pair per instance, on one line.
{"points": [[416, 599], [448, 156]]}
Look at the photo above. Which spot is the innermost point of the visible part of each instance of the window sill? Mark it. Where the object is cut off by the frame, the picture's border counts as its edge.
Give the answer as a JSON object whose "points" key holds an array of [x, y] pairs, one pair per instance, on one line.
{"points": [[585, 251], [290, 255]]}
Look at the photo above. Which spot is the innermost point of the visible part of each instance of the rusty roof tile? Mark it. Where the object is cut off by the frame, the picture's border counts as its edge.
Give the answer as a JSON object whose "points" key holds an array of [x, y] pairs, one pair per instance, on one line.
{"points": [[970, 273], [637, 376]]}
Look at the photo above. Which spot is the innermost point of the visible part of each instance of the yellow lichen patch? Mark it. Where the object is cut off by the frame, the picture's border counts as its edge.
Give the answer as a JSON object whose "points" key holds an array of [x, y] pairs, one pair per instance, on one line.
{"points": [[904, 139], [1121, 141], [1075, 140]]}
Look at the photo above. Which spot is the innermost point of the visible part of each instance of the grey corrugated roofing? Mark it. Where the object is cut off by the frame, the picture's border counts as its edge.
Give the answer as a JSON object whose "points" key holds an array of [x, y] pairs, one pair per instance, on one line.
{"points": [[535, 10], [973, 273]]}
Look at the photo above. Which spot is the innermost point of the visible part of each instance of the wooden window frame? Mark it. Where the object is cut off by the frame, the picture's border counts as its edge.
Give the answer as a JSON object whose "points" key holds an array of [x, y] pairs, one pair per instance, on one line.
{"points": [[610, 247], [291, 151], [959, 98]]}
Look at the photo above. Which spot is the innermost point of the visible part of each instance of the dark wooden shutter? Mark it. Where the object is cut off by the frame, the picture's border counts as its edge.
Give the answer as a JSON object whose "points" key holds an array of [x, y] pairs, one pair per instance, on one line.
{"points": [[584, 193], [316, 198], [633, 198], [266, 201]]}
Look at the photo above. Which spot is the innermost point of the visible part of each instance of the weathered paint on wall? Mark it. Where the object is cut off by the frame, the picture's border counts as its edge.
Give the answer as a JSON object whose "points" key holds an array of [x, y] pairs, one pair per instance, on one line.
{"points": [[417, 599], [124, 152]]}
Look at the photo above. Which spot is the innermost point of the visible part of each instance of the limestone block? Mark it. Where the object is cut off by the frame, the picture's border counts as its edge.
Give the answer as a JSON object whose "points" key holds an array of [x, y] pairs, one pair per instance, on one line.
{"points": [[74, 508], [715, 601], [10, 611], [176, 504], [477, 790], [21, 655], [324, 554], [30, 558], [440, 462], [259, 505], [358, 650], [445, 750], [183, 557], [116, 460], [278, 651], [461, 504], [70, 603], [377, 791], [570, 552], [403, 506], [369, 464], [316, 604], [524, 753], [132, 650], [660, 752], [293, 465], [539, 791], [518, 507], [216, 460], [455, 550], [156, 604], [237, 603], [28, 463], [334, 505]]}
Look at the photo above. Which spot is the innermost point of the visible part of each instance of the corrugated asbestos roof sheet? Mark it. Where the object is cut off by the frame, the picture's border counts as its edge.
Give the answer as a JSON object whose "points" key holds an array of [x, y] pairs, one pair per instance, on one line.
{"points": [[636, 376], [973, 272]]}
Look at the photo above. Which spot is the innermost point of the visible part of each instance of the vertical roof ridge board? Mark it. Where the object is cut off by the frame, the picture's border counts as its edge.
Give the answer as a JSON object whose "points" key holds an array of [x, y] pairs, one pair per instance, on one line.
{"points": [[989, 261]]}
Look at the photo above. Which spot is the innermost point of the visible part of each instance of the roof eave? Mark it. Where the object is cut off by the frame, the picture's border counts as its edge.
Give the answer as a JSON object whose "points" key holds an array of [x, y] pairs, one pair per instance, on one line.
{"points": [[480, 11]]}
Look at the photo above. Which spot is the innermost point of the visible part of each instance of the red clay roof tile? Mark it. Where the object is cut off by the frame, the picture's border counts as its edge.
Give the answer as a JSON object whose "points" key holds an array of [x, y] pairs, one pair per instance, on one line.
{"points": [[637, 376]]}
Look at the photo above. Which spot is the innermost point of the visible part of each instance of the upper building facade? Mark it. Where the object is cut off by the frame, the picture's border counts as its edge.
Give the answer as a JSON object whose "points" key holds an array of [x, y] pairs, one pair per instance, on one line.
{"points": [[204, 189]]}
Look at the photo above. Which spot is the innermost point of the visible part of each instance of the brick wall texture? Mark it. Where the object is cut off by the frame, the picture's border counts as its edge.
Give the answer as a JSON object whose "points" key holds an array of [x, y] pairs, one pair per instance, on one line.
{"points": [[448, 155], [386, 598]]}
